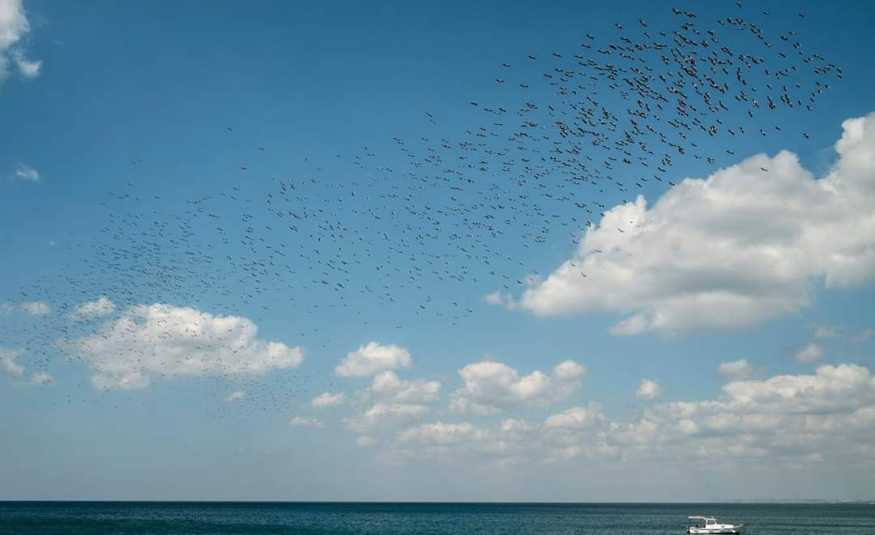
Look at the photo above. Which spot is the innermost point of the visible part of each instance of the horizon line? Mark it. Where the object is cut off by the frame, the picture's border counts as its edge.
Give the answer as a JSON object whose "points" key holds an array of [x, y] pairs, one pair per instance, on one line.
{"points": [[770, 501]]}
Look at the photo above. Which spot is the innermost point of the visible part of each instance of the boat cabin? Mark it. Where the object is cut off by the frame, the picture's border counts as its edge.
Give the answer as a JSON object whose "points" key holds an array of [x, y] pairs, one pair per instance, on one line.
{"points": [[704, 521]]}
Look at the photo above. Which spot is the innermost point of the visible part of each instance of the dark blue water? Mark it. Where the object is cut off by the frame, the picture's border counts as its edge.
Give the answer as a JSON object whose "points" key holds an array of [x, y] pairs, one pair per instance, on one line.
{"points": [[136, 518]]}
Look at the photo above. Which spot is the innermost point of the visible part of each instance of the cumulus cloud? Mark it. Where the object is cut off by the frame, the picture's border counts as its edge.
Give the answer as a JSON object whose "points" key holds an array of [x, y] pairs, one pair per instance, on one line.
{"points": [[799, 417], [383, 415], [328, 399], [372, 358], [94, 309], [505, 443], [564, 435], [736, 369], [388, 386], [576, 418], [810, 353], [831, 389], [13, 23], [389, 402], [648, 390], [8, 362], [578, 431], [785, 418], [488, 386], [14, 26], [737, 248], [300, 421], [148, 342]]}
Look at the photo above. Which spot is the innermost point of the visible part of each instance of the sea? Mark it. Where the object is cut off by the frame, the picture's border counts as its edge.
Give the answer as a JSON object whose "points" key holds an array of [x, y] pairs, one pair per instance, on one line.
{"points": [[249, 518]]}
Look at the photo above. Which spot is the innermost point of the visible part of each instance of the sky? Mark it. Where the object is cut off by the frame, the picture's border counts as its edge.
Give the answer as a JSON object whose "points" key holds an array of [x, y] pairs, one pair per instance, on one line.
{"points": [[374, 251]]}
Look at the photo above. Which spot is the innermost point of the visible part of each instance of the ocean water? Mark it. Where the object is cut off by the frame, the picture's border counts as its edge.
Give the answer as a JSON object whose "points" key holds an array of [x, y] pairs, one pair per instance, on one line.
{"points": [[139, 518]]}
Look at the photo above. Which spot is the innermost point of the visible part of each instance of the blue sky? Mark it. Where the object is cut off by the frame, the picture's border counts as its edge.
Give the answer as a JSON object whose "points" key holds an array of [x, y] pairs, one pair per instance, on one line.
{"points": [[146, 151]]}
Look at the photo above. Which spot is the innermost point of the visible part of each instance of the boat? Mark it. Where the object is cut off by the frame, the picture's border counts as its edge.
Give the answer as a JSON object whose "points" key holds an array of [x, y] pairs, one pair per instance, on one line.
{"points": [[709, 525]]}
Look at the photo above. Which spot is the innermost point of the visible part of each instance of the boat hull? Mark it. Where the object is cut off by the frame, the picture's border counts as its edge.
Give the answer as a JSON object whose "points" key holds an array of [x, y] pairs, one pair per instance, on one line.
{"points": [[714, 531]]}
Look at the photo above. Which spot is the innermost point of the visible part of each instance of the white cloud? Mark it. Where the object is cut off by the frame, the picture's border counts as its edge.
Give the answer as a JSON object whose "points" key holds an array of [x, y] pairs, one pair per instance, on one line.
{"points": [[389, 402], [161, 341], [328, 399], [300, 421], [94, 309], [505, 443], [372, 358], [13, 27], [786, 418], [498, 298], [42, 378], [488, 386], [575, 432], [439, 433], [735, 249], [8, 363], [509, 442], [13, 23], [831, 389], [28, 68], [736, 370], [237, 395], [385, 415], [26, 173], [388, 386], [575, 418], [648, 390], [35, 308], [9, 366], [810, 353]]}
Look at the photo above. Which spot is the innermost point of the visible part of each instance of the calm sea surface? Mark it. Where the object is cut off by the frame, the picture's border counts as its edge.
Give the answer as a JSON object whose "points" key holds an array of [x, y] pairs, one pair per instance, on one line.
{"points": [[47, 518]]}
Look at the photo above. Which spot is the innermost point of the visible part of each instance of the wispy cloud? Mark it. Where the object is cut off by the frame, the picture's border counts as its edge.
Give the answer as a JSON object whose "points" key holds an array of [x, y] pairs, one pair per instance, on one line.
{"points": [[26, 173]]}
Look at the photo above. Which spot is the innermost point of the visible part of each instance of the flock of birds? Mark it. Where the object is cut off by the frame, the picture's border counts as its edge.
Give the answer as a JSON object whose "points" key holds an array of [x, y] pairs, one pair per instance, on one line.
{"points": [[541, 162]]}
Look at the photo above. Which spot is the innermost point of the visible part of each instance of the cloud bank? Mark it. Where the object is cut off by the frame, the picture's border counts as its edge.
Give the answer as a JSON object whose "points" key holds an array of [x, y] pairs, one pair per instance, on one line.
{"points": [[796, 419]]}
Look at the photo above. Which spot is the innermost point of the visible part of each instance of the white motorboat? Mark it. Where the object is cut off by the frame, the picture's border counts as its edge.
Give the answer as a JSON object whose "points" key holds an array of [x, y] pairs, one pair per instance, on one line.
{"points": [[709, 525]]}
